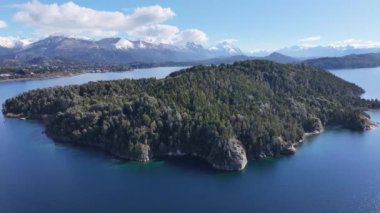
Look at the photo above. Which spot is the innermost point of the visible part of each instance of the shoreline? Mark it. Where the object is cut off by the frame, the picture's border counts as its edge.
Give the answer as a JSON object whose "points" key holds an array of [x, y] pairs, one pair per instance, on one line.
{"points": [[72, 74], [292, 149], [373, 126], [62, 74], [42, 77]]}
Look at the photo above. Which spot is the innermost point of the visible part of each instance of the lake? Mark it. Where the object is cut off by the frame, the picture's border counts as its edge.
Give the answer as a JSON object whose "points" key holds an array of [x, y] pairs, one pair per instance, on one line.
{"points": [[338, 171]]}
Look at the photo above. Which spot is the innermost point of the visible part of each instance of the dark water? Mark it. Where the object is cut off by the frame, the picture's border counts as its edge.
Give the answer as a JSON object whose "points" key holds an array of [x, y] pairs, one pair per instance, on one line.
{"points": [[338, 171]]}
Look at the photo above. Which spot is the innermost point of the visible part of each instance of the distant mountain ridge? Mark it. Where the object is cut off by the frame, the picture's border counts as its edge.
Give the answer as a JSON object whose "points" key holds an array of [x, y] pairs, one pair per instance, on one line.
{"points": [[280, 58], [347, 62], [310, 52], [275, 57], [68, 51], [325, 51], [114, 51]]}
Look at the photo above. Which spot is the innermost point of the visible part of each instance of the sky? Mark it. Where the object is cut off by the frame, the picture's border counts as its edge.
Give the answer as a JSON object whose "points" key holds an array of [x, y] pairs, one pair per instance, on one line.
{"points": [[250, 24]]}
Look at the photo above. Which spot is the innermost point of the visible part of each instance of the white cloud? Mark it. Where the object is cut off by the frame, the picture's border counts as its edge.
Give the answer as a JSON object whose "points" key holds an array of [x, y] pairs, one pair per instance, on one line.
{"points": [[70, 19], [168, 34], [192, 35], [3, 24], [155, 33], [356, 43], [311, 39]]}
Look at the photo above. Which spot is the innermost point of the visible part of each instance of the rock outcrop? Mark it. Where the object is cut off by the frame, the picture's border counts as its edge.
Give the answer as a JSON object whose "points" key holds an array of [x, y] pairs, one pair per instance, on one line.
{"points": [[367, 123], [230, 156]]}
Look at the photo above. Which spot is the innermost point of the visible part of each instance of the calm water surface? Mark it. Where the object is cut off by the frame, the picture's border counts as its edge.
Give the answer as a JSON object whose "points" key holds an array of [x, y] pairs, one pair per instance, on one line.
{"points": [[338, 171]]}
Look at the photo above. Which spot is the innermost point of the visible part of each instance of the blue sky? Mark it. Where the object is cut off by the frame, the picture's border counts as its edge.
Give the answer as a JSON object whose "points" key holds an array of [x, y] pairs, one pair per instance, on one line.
{"points": [[252, 24]]}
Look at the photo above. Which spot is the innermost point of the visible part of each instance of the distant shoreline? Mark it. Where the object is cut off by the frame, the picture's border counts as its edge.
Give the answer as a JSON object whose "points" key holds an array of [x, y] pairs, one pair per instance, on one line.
{"points": [[76, 73], [53, 76], [61, 74], [41, 77]]}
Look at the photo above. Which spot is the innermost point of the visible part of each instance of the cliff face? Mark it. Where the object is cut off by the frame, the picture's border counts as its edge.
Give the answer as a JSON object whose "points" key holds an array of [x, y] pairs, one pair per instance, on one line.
{"points": [[230, 155], [224, 114]]}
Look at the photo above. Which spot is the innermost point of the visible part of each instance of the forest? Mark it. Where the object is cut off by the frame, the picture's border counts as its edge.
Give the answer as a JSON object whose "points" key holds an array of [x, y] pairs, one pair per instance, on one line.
{"points": [[347, 62], [225, 114]]}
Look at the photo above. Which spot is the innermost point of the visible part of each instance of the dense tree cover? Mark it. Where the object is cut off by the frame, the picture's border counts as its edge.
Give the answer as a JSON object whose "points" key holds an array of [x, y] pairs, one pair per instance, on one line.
{"points": [[347, 62], [252, 108]]}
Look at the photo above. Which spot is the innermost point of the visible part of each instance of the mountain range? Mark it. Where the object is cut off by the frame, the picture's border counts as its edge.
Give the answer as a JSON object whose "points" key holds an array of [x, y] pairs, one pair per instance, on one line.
{"points": [[110, 51], [325, 51], [275, 57], [69, 51]]}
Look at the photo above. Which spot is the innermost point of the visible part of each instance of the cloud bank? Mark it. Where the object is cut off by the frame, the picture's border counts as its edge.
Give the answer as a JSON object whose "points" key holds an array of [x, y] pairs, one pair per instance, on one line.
{"points": [[74, 20], [168, 34]]}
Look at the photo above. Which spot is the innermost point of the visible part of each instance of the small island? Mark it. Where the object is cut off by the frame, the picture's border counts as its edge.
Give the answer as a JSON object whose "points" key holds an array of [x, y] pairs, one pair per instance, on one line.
{"points": [[226, 114]]}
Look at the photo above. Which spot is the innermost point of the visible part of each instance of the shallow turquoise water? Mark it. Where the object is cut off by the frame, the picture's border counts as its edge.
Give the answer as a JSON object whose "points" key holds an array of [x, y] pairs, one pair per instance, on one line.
{"points": [[338, 171]]}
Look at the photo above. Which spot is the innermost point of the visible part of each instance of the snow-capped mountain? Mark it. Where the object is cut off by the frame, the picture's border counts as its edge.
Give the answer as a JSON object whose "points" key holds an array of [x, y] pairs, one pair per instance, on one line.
{"points": [[123, 44], [225, 49], [114, 50], [11, 42], [120, 50]]}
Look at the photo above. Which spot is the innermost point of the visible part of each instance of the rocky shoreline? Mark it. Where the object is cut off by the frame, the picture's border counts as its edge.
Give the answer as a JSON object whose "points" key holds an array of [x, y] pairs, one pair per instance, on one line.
{"points": [[235, 159]]}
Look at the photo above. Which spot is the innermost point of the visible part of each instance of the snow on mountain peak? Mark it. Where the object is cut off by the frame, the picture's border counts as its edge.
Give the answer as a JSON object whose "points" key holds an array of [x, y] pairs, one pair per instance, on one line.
{"points": [[226, 47]]}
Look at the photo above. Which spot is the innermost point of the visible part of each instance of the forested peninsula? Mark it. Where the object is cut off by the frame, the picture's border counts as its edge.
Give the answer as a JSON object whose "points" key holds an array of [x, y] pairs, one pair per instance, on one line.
{"points": [[226, 114], [354, 61]]}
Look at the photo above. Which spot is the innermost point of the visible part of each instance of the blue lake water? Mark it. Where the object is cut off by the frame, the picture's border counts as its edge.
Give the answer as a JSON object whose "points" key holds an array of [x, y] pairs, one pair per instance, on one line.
{"points": [[338, 171]]}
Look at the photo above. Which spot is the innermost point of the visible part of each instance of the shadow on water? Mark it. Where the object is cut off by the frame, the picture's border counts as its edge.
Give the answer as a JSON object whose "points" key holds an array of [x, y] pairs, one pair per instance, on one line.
{"points": [[343, 131], [186, 163], [189, 163]]}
